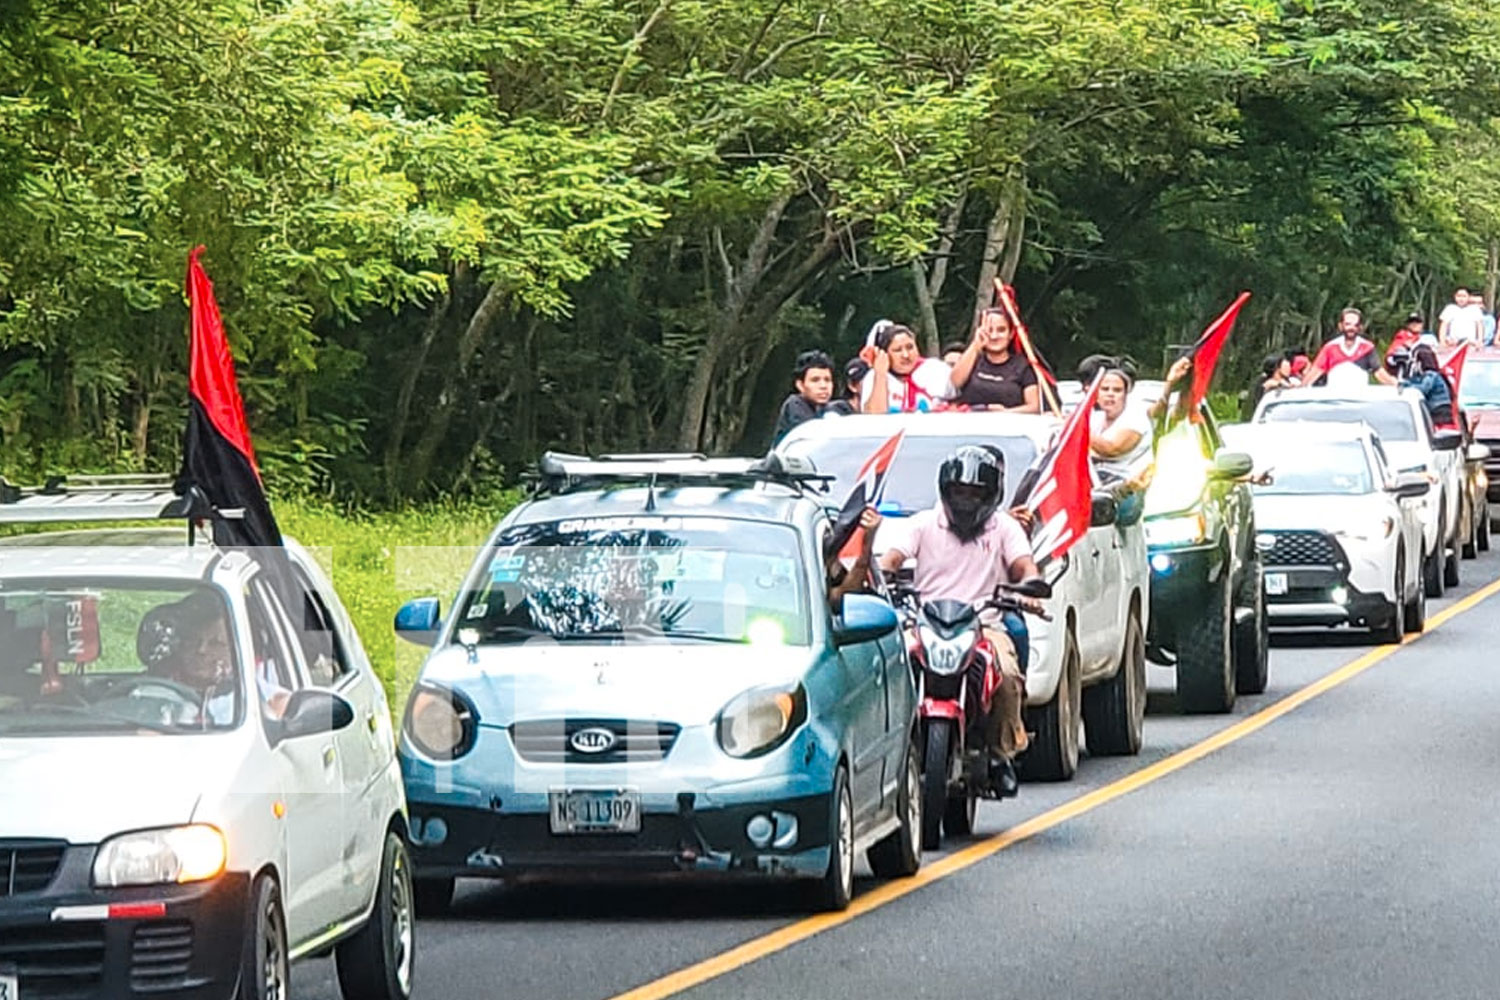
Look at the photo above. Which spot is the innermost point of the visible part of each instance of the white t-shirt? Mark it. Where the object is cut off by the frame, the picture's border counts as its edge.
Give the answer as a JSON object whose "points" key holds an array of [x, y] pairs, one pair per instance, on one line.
{"points": [[1467, 322], [1136, 418], [931, 382]]}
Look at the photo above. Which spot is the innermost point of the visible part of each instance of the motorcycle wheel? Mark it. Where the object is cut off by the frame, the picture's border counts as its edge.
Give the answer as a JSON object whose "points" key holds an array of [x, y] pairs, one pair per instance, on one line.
{"points": [[935, 770]]}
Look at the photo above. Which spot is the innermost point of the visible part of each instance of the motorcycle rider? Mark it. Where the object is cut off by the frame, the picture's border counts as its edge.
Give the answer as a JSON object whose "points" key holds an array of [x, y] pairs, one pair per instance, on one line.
{"points": [[964, 546]]}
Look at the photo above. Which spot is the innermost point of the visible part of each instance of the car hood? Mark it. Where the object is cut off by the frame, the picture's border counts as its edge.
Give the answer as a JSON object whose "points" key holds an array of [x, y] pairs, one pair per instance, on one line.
{"points": [[109, 783], [1320, 513], [687, 683]]}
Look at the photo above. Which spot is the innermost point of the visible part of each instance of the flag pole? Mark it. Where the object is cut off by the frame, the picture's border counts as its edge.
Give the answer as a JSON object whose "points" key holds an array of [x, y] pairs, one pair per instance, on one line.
{"points": [[1013, 313]]}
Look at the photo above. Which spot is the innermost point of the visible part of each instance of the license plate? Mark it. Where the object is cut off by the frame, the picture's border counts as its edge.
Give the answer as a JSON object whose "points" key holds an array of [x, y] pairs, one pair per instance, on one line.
{"points": [[1275, 584], [10, 983], [595, 811]]}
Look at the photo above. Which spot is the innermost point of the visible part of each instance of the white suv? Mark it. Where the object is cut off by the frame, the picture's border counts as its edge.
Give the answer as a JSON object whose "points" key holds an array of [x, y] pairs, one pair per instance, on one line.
{"points": [[1412, 443], [198, 782], [1088, 665]]}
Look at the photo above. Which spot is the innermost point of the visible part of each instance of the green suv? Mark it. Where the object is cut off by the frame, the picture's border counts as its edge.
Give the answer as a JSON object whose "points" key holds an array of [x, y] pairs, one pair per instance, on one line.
{"points": [[1208, 609]]}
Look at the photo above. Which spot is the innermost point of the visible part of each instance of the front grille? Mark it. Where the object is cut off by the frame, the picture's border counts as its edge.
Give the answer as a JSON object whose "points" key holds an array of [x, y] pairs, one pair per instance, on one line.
{"points": [[28, 865], [552, 741], [55, 961], [1304, 548], [161, 954]]}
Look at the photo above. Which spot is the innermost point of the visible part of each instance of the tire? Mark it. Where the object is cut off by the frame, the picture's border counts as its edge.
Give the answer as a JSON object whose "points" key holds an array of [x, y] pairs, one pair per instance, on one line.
{"points": [[1482, 532], [433, 896], [376, 963], [1053, 754], [900, 854], [1114, 713], [1205, 661], [959, 813], [935, 763], [1450, 564], [1432, 573], [833, 891], [1252, 641], [1414, 611], [1471, 543], [265, 969]]}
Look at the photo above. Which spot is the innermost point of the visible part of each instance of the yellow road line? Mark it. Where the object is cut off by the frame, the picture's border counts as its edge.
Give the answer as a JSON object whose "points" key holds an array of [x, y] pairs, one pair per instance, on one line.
{"points": [[784, 937]]}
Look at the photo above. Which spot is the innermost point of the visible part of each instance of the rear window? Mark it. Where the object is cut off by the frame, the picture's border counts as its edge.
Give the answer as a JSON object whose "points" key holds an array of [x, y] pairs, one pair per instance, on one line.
{"points": [[1391, 419], [1480, 388]]}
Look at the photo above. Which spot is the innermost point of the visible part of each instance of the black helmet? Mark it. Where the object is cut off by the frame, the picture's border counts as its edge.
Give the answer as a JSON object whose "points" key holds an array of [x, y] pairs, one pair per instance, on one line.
{"points": [[971, 465]]}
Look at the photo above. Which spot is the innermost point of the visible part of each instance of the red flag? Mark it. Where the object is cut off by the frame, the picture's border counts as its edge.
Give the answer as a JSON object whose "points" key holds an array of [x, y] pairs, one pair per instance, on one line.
{"points": [[1205, 356], [1403, 338], [1453, 370], [1063, 497], [847, 536], [217, 457]]}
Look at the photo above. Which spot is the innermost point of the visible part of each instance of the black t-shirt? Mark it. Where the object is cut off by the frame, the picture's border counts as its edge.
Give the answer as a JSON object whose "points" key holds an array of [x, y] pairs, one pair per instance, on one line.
{"points": [[795, 410], [1002, 384]]}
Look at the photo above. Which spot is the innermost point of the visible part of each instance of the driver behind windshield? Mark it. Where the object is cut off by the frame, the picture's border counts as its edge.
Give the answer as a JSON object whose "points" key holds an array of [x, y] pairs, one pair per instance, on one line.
{"points": [[189, 643]]}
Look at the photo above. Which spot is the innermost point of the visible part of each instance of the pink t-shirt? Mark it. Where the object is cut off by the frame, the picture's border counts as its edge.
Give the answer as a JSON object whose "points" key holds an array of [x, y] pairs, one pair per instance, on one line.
{"points": [[950, 569]]}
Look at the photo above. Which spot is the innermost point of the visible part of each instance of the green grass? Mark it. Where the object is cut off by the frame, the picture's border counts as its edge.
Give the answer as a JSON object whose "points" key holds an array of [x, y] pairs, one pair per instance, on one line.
{"points": [[378, 561]]}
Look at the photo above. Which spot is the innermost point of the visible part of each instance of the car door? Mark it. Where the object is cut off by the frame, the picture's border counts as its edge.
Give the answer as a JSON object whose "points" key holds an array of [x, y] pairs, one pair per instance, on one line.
{"points": [[313, 798], [862, 671], [363, 747]]}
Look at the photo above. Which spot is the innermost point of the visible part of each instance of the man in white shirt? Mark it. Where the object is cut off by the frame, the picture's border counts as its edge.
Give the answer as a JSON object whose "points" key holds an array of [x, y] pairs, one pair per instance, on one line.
{"points": [[1461, 321]]}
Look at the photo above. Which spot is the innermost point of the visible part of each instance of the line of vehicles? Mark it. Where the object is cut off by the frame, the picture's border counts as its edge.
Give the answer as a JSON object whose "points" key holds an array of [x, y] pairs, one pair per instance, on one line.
{"points": [[640, 674]]}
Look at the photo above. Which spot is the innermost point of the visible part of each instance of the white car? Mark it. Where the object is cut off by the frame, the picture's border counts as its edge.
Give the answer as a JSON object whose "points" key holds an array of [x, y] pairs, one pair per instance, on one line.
{"points": [[198, 783], [1412, 444], [1088, 664], [1338, 530]]}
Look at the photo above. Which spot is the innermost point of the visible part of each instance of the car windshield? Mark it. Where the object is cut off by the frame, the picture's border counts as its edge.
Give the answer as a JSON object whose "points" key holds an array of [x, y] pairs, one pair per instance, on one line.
{"points": [[1480, 388], [1314, 467], [645, 577], [1392, 419], [81, 658], [1181, 471], [911, 484]]}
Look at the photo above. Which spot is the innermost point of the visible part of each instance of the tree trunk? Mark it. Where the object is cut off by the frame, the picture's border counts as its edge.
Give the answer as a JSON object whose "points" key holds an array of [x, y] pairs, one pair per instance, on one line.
{"points": [[929, 284], [999, 255], [139, 434], [397, 435], [927, 323], [1492, 273], [695, 401]]}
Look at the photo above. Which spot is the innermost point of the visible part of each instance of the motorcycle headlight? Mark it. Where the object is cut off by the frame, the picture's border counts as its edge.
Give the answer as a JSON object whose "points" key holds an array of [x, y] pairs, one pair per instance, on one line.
{"points": [[440, 722], [1189, 529], [760, 720], [161, 857], [944, 656]]}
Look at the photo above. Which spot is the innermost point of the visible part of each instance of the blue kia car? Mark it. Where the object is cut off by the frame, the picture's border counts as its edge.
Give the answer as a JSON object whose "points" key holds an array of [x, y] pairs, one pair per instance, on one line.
{"points": [[642, 674]]}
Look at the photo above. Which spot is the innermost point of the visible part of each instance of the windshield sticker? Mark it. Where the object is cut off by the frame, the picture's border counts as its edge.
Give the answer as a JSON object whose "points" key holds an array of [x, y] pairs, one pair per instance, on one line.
{"points": [[478, 611], [507, 569], [619, 524]]}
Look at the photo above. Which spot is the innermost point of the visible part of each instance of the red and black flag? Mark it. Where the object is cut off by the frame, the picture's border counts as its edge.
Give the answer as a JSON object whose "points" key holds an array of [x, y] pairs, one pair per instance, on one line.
{"points": [[1060, 487], [847, 537], [217, 457], [1205, 357]]}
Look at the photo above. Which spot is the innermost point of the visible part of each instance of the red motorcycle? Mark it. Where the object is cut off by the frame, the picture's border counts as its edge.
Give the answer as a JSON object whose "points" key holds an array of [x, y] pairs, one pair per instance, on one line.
{"points": [[959, 674]]}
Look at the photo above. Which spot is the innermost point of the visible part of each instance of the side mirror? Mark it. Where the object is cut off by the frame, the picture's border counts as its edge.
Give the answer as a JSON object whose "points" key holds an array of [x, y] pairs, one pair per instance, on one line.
{"points": [[1411, 484], [419, 621], [865, 619], [1478, 452], [1232, 465], [1447, 440], [1104, 510], [311, 711]]}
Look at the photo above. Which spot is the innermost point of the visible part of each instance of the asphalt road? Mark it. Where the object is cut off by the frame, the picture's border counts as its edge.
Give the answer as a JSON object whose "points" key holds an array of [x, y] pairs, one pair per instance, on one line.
{"points": [[1345, 848]]}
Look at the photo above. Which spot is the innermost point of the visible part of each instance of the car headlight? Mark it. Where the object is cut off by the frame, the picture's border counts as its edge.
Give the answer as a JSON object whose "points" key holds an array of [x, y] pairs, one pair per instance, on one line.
{"points": [[1188, 529], [440, 722], [944, 656], [1387, 525], [761, 719], [161, 857]]}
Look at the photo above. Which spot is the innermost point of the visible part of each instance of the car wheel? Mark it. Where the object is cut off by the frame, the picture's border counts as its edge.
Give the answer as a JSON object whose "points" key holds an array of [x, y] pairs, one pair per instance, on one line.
{"points": [[1414, 612], [1432, 572], [900, 854], [834, 890], [1252, 640], [432, 895], [264, 974], [1389, 631], [1053, 754], [1114, 712], [1471, 541], [1482, 532], [1205, 662], [376, 962]]}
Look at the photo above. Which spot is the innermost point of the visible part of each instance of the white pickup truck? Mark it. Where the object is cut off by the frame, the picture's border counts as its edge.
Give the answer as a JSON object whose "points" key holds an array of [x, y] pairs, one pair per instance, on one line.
{"points": [[1413, 444], [1088, 664]]}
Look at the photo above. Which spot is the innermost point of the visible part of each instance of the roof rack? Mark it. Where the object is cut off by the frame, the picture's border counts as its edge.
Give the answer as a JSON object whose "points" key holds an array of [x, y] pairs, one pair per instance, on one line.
{"points": [[103, 498], [559, 472]]}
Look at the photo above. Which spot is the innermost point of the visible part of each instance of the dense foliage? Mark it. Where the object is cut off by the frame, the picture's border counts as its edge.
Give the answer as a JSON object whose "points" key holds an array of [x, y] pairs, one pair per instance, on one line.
{"points": [[447, 233]]}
